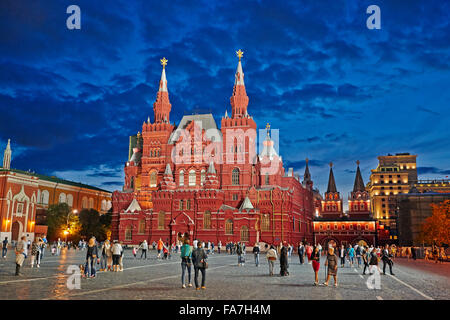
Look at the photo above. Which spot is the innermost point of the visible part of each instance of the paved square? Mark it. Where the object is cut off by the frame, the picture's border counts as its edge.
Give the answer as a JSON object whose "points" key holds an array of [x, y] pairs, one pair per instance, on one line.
{"points": [[161, 279]]}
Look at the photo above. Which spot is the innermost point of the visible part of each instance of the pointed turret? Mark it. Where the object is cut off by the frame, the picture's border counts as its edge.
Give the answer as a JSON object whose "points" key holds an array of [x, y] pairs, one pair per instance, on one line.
{"points": [[211, 177], [246, 205], [307, 176], [239, 99], [168, 182], [268, 149], [331, 182], [162, 105], [359, 183], [7, 156]]}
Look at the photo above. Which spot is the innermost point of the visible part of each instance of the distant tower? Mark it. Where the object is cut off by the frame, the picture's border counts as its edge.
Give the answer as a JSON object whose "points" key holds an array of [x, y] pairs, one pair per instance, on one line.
{"points": [[359, 200], [7, 156], [307, 182], [332, 205], [239, 99]]}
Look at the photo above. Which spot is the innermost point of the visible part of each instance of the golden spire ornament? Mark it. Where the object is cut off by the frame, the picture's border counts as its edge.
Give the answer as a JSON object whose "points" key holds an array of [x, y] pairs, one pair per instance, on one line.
{"points": [[240, 53], [163, 62]]}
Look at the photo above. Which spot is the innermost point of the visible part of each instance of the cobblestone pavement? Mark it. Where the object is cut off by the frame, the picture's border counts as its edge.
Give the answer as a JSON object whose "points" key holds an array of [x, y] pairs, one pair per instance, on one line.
{"points": [[161, 279]]}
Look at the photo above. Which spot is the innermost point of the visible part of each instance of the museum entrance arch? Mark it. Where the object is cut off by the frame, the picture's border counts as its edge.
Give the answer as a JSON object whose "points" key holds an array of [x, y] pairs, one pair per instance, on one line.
{"points": [[181, 224]]}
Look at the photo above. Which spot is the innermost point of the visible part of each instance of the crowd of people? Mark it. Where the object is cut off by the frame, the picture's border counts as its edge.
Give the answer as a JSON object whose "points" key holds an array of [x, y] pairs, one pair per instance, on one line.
{"points": [[109, 256]]}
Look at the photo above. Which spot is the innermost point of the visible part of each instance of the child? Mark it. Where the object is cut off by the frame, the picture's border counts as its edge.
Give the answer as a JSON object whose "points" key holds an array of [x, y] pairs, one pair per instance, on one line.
{"points": [[53, 250], [134, 252]]}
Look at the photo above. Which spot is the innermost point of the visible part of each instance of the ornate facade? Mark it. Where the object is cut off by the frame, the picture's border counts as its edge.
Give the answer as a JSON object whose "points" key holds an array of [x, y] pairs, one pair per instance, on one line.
{"points": [[209, 182], [333, 226]]}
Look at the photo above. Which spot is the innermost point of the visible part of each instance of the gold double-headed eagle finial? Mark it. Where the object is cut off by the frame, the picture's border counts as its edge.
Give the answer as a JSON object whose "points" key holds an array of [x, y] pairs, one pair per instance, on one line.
{"points": [[239, 53], [163, 62]]}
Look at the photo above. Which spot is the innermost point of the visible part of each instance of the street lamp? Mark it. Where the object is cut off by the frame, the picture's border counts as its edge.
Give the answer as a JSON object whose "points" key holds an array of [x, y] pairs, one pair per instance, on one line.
{"points": [[67, 231]]}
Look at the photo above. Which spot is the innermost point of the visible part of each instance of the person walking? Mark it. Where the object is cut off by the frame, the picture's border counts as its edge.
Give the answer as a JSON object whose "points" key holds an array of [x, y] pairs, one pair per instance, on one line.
{"points": [[309, 251], [332, 263], [116, 251], [256, 253], [43, 246], [239, 253], [186, 262], [35, 252], [413, 253], [121, 256], [159, 248], [366, 259], [301, 252], [284, 264], [358, 255], [386, 257], [103, 258], [342, 256], [351, 255], [373, 262], [199, 259], [271, 256], [108, 251], [144, 247], [91, 258], [58, 247], [219, 247], [315, 258], [21, 253], [4, 247]]}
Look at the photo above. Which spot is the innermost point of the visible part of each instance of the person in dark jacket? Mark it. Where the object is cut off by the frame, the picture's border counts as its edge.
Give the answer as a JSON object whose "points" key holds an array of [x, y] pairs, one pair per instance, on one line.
{"points": [[199, 258], [301, 252], [256, 253], [284, 265], [91, 258], [386, 257]]}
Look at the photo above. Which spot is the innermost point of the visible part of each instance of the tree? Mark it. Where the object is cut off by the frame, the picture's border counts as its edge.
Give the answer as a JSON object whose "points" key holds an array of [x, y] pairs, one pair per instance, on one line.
{"points": [[436, 229], [94, 224], [57, 215]]}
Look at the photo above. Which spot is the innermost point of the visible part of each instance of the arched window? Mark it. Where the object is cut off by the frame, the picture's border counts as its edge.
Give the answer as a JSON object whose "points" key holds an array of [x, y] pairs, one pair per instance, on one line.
{"points": [[202, 176], [265, 222], [84, 203], [70, 200], [207, 220], [91, 203], [62, 198], [128, 234], [235, 177], [244, 233], [103, 207], [161, 218], [181, 178], [188, 204], [44, 197], [141, 226], [153, 179], [229, 226], [180, 207], [192, 178]]}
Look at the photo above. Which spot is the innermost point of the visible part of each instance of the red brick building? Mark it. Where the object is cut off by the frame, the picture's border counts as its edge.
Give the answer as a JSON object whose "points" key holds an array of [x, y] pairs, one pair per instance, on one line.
{"points": [[194, 177], [333, 226]]}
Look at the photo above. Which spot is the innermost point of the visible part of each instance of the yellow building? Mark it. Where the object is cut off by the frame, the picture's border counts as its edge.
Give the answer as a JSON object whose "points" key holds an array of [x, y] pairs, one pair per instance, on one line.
{"points": [[394, 175]]}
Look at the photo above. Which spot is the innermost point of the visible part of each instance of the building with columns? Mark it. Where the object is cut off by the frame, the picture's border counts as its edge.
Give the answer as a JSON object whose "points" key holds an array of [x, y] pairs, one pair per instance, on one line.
{"points": [[25, 196], [208, 181], [336, 227]]}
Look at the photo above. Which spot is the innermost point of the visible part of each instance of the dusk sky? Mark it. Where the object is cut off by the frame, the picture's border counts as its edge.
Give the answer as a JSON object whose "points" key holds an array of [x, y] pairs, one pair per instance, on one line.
{"points": [[337, 91]]}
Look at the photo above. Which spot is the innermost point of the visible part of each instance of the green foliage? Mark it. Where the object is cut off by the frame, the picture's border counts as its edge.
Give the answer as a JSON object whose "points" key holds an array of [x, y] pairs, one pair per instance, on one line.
{"points": [[94, 224], [57, 215]]}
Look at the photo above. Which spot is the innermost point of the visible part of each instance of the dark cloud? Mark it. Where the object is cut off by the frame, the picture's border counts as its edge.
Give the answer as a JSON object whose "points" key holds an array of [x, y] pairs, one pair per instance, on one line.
{"points": [[69, 99]]}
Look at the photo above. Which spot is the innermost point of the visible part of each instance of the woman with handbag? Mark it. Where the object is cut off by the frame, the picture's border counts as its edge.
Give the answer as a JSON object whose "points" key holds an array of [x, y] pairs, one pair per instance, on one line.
{"points": [[271, 258], [199, 260], [186, 255], [315, 258]]}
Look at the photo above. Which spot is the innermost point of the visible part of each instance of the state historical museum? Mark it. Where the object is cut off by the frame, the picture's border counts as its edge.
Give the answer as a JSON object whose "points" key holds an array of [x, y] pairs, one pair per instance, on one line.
{"points": [[212, 183]]}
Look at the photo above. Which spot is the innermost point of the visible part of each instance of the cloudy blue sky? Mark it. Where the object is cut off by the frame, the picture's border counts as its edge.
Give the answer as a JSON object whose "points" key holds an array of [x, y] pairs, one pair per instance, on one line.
{"points": [[336, 90]]}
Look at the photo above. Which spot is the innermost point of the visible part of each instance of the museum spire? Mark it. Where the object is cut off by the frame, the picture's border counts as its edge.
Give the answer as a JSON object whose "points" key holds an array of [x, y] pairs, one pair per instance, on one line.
{"points": [[162, 105], [239, 99]]}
